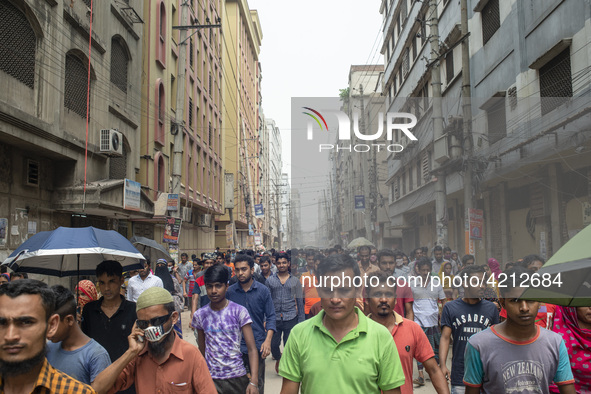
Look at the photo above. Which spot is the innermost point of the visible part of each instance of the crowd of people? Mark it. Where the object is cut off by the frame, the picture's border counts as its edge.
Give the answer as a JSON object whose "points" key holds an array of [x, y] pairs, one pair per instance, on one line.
{"points": [[122, 332]]}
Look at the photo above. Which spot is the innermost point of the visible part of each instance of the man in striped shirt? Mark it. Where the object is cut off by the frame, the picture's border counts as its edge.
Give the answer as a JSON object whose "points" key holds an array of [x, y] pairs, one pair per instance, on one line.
{"points": [[287, 295], [26, 320]]}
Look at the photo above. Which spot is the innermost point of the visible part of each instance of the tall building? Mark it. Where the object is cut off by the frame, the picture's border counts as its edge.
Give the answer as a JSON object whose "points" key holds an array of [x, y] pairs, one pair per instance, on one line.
{"points": [[274, 181], [241, 42], [530, 102], [408, 88], [531, 133], [54, 170], [353, 171], [200, 194]]}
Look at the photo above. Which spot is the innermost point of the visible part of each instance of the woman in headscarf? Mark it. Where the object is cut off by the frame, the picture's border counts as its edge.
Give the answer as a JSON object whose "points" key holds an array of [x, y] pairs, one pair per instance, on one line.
{"points": [[495, 268], [574, 325], [173, 286], [4, 278], [85, 292]]}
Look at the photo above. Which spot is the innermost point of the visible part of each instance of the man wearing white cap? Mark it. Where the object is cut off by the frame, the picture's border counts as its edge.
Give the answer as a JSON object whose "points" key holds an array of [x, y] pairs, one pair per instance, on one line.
{"points": [[167, 363]]}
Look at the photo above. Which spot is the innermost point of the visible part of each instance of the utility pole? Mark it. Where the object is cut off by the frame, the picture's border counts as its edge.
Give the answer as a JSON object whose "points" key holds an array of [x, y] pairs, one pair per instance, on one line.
{"points": [[180, 95], [468, 142], [368, 180], [249, 203], [440, 188]]}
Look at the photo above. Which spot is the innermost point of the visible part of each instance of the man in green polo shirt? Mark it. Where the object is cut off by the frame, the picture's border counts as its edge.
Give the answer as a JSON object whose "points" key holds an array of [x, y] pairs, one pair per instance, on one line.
{"points": [[340, 350]]}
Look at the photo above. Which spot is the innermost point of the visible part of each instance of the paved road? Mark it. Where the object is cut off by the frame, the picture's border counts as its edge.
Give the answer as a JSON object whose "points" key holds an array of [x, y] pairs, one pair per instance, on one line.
{"points": [[273, 381]]}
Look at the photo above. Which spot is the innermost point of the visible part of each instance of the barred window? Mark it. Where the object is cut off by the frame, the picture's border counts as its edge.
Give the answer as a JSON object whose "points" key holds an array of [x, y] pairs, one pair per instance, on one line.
{"points": [[491, 20], [118, 166], [405, 62], [160, 175], [76, 85], [17, 44], [209, 138], [119, 64], [556, 81]]}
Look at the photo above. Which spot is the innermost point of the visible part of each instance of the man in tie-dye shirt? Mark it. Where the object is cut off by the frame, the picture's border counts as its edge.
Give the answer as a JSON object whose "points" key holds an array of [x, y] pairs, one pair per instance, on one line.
{"points": [[220, 326]]}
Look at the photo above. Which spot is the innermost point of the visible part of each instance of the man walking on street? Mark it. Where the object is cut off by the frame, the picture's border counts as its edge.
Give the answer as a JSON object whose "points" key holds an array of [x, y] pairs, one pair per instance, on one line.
{"points": [[461, 319], [143, 281], [110, 319], [69, 349], [425, 308], [256, 298], [404, 299], [27, 316], [340, 350], [411, 342], [366, 267], [160, 362], [517, 356], [287, 295], [183, 268]]}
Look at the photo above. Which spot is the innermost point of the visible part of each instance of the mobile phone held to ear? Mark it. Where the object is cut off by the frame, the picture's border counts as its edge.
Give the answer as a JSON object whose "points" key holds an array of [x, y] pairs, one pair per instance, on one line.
{"points": [[140, 339]]}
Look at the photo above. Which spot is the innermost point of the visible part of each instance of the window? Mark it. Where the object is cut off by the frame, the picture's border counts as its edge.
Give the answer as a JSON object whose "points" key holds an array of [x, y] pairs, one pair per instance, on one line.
{"points": [[403, 11], [556, 81], [161, 40], [160, 174], [414, 47], [119, 64], [209, 136], [191, 109], [191, 52], [426, 166], [449, 66], [160, 112], [76, 85], [118, 166], [491, 20], [404, 184], [17, 52], [32, 173], [497, 120], [419, 182], [405, 62]]}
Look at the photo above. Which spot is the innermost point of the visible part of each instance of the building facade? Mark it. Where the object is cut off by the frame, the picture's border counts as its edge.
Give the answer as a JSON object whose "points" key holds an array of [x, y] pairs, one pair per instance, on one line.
{"points": [[199, 194], [241, 35], [57, 168]]}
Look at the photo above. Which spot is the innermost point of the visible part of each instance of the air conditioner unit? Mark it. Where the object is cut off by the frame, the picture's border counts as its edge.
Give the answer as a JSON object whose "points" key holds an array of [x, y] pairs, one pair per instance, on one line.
{"points": [[111, 142], [187, 214], [204, 220]]}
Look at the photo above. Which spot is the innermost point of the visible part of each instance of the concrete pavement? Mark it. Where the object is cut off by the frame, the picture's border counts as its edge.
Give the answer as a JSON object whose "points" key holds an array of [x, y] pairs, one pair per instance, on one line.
{"points": [[273, 380]]}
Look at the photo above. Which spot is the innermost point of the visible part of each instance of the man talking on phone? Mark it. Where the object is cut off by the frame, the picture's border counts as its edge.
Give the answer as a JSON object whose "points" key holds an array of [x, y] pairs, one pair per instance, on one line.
{"points": [[157, 360]]}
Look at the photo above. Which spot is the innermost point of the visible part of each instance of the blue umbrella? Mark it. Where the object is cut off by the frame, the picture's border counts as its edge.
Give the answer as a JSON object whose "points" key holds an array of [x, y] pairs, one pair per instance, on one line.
{"points": [[73, 251]]}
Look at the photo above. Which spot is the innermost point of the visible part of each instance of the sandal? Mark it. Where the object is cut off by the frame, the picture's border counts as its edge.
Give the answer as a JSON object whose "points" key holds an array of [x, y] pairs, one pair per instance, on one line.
{"points": [[419, 381]]}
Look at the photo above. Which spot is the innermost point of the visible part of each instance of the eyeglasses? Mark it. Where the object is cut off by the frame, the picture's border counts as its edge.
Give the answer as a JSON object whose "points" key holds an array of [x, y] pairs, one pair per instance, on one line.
{"points": [[156, 321]]}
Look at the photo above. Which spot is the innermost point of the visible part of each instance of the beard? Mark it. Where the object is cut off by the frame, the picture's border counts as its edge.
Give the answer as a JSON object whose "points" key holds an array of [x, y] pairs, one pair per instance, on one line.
{"points": [[158, 349], [16, 368], [383, 312], [246, 280]]}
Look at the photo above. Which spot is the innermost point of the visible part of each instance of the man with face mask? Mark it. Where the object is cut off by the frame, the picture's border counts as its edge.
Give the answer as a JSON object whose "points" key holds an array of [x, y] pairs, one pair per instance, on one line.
{"points": [[157, 360]]}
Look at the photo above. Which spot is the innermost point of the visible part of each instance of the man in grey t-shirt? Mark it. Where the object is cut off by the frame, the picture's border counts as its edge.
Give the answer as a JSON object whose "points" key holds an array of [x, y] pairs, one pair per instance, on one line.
{"points": [[517, 356]]}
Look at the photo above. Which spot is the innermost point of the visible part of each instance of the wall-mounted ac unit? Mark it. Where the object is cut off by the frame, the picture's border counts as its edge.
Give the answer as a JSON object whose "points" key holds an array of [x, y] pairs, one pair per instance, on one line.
{"points": [[111, 142], [204, 220], [187, 214]]}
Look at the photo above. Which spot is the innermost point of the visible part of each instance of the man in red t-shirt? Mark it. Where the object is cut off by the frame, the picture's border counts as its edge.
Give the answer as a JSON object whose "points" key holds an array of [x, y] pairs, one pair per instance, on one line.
{"points": [[411, 341], [308, 282]]}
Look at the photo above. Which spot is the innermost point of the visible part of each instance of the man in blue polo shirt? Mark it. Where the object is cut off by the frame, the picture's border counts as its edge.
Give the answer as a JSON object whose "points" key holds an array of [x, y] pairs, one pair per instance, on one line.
{"points": [[256, 298]]}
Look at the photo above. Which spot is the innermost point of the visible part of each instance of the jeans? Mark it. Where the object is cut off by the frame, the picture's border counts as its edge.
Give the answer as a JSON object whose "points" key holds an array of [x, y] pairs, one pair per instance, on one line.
{"points": [[283, 327], [261, 371], [458, 389]]}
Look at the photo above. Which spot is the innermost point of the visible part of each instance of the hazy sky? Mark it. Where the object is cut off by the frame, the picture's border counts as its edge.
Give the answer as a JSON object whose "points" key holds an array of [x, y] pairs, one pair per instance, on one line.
{"points": [[307, 50]]}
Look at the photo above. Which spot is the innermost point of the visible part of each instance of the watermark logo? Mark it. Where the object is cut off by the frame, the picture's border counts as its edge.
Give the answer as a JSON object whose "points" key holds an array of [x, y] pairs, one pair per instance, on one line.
{"points": [[402, 121]]}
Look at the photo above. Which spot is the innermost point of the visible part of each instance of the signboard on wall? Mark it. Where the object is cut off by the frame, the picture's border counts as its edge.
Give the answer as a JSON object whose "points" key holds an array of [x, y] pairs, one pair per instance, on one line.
{"points": [[259, 211], [476, 223], [172, 230], [230, 235], [172, 203], [131, 195], [359, 203]]}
